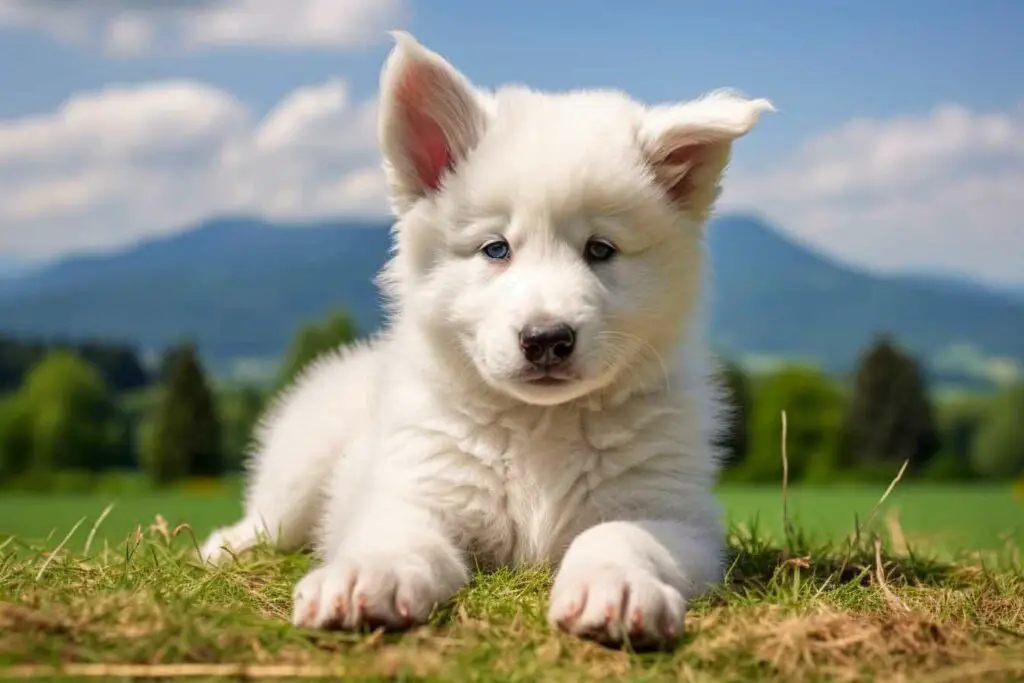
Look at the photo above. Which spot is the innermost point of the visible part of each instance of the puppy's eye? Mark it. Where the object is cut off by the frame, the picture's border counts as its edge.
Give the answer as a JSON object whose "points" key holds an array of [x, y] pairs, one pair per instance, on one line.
{"points": [[498, 250], [598, 251]]}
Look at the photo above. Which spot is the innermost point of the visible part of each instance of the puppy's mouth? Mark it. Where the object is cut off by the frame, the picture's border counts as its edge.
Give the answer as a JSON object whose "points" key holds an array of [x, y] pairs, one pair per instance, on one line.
{"points": [[546, 386], [547, 377]]}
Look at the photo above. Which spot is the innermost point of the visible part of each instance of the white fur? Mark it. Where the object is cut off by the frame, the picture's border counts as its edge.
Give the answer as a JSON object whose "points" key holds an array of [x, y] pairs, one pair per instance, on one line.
{"points": [[419, 456]]}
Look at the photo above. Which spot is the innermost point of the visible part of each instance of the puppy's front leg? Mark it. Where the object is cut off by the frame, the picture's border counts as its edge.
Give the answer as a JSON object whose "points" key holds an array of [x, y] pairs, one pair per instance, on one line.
{"points": [[391, 565], [632, 580]]}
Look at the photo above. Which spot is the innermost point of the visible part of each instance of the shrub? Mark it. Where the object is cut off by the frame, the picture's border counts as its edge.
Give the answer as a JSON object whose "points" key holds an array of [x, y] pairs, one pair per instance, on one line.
{"points": [[813, 406], [74, 422]]}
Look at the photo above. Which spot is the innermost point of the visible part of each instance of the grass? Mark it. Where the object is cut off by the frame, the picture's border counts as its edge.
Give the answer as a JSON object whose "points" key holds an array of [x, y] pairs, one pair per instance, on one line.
{"points": [[910, 597], [942, 519], [797, 612]]}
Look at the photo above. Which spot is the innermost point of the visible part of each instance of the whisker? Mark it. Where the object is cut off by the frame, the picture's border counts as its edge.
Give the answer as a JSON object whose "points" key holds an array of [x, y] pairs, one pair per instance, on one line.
{"points": [[645, 346]]}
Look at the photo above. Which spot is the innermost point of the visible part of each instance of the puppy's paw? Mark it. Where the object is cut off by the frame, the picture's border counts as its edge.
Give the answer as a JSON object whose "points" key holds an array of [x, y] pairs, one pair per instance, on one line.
{"points": [[392, 591], [224, 544], [613, 604]]}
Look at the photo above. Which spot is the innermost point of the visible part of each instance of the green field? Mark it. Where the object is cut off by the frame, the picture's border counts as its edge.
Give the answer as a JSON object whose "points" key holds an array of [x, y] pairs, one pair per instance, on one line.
{"points": [[938, 596], [944, 520]]}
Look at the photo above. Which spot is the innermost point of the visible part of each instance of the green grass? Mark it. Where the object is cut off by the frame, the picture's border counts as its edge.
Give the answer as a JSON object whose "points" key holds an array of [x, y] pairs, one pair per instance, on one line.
{"points": [[942, 519], [818, 604]]}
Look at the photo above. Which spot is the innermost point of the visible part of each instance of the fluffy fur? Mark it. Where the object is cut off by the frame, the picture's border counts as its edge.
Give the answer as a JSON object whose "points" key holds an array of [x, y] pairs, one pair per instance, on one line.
{"points": [[436, 448]]}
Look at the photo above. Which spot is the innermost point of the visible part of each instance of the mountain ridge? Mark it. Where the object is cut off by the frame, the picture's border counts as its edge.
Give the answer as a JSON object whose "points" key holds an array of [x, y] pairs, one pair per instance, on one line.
{"points": [[240, 285], [12, 268]]}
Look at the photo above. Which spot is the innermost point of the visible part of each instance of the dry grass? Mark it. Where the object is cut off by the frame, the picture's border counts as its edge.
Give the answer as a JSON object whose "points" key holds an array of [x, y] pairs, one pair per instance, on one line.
{"points": [[860, 610]]}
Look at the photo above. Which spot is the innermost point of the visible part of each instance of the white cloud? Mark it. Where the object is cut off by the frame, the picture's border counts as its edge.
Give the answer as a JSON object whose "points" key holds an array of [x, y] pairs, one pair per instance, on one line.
{"points": [[112, 166], [128, 27], [945, 190]]}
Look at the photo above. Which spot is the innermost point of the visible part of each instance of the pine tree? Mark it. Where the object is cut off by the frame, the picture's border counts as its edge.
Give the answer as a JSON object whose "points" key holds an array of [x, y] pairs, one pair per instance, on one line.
{"points": [[185, 437], [890, 417]]}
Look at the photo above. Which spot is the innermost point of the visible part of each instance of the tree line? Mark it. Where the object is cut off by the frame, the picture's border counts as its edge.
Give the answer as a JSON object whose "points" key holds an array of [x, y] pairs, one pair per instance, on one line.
{"points": [[72, 418], [119, 364], [866, 428], [80, 413]]}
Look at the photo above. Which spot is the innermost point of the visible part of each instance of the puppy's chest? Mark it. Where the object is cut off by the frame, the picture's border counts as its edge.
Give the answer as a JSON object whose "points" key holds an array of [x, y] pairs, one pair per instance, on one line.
{"points": [[525, 488]]}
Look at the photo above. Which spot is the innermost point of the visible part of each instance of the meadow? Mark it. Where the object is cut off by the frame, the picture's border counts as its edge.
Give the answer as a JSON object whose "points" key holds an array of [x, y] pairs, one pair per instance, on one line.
{"points": [[936, 594], [945, 520]]}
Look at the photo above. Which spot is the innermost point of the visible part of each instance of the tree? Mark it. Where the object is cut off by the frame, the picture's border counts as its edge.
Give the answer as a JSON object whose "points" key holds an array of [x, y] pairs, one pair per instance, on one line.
{"points": [[16, 357], [958, 422], [813, 406], [999, 445], [184, 436], [118, 364], [890, 417], [75, 424], [734, 439], [314, 340], [15, 437]]}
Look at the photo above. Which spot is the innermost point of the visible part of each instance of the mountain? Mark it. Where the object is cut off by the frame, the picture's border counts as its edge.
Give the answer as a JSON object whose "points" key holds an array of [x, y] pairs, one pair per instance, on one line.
{"points": [[956, 282], [776, 296], [11, 268], [239, 287]]}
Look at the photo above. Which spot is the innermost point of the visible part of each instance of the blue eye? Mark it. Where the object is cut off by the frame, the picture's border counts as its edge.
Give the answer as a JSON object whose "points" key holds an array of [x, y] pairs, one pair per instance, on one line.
{"points": [[598, 251], [497, 250]]}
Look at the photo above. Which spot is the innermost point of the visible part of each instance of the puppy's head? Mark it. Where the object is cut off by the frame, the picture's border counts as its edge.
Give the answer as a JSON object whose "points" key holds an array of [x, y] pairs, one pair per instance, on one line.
{"points": [[550, 243]]}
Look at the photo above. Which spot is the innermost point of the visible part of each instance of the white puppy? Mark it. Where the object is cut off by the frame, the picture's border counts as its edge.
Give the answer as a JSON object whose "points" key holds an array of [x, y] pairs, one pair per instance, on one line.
{"points": [[541, 393]]}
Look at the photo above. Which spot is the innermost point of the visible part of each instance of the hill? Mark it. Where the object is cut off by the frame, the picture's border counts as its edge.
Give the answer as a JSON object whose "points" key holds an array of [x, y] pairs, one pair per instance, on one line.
{"points": [[240, 286], [11, 268], [775, 296]]}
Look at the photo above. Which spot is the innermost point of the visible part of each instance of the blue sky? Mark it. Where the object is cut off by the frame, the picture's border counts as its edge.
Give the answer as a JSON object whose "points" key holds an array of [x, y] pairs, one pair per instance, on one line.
{"points": [[899, 140]]}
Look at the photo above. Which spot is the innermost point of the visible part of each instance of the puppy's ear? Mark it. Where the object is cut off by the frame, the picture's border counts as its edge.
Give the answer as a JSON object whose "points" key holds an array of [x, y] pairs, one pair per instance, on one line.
{"points": [[430, 118], [688, 145]]}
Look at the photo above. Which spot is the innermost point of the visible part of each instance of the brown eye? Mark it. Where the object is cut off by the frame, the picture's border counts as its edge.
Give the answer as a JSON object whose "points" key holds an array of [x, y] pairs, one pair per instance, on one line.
{"points": [[598, 251]]}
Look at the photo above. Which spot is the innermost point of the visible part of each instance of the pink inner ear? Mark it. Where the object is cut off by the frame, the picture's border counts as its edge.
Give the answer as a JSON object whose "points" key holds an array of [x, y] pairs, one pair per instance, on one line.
{"points": [[426, 142], [688, 155], [680, 165]]}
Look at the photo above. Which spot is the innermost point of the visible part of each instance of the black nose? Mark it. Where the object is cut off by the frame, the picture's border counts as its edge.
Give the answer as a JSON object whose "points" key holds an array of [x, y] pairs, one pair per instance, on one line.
{"points": [[547, 345]]}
